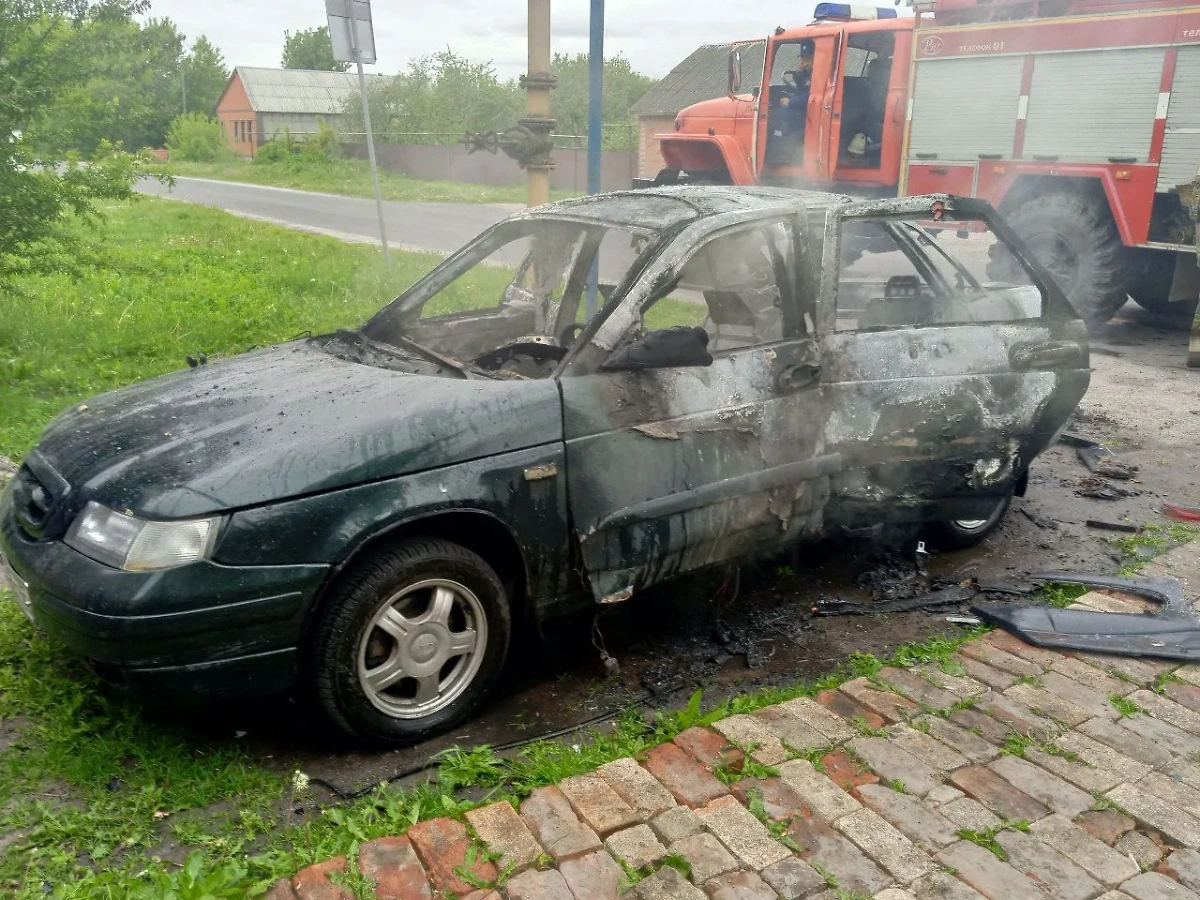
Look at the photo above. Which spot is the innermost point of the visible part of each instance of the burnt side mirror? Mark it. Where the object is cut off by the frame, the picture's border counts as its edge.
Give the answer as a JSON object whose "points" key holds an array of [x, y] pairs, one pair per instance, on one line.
{"points": [[735, 71], [683, 346]]}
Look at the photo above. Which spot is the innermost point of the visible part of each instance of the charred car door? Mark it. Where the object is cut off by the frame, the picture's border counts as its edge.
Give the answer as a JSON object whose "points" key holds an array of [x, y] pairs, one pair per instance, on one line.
{"points": [[692, 417], [950, 360]]}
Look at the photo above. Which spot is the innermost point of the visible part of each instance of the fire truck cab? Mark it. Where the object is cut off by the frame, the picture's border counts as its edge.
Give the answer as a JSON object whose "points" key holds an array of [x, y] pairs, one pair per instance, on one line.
{"points": [[1079, 119]]}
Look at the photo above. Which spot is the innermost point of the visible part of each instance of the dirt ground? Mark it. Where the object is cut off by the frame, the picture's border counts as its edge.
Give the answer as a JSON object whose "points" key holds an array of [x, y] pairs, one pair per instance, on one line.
{"points": [[724, 637]]}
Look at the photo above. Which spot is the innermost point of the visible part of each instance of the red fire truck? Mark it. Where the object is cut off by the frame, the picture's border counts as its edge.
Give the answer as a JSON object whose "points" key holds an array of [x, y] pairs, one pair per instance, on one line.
{"points": [[1078, 119]]}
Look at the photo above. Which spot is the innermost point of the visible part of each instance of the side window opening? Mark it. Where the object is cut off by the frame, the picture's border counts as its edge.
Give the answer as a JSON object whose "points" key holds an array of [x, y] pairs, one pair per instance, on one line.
{"points": [[736, 286], [902, 272]]}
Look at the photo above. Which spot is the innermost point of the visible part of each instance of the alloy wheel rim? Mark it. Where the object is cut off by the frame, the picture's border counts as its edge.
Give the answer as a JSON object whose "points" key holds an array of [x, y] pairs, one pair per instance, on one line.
{"points": [[422, 648], [970, 524], [976, 524]]}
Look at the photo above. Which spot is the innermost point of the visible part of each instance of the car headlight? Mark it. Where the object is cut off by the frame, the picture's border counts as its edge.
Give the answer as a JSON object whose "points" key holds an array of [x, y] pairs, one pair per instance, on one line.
{"points": [[136, 545]]}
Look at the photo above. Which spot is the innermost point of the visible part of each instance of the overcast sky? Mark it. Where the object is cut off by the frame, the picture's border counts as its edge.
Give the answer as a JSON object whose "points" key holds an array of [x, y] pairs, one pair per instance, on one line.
{"points": [[653, 34]]}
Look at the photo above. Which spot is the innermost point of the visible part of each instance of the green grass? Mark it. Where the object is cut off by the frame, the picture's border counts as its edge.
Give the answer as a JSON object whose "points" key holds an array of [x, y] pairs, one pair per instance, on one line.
{"points": [[1126, 707], [1153, 540], [175, 279], [987, 838], [353, 178]]}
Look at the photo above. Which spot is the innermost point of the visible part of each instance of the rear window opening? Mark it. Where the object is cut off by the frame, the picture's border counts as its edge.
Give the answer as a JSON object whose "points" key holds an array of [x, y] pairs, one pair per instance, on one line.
{"points": [[908, 271]]}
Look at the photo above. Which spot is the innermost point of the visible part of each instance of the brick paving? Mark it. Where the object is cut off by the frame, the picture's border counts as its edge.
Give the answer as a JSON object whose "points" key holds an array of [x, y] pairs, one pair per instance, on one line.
{"points": [[1110, 803]]}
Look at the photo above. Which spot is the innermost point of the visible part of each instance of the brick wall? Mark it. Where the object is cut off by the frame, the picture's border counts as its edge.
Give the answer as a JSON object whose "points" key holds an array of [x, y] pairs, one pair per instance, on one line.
{"points": [[237, 117], [649, 155]]}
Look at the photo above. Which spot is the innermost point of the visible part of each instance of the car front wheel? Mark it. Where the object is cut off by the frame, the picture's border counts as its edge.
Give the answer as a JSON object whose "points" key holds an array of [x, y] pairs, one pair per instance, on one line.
{"points": [[411, 642], [957, 534]]}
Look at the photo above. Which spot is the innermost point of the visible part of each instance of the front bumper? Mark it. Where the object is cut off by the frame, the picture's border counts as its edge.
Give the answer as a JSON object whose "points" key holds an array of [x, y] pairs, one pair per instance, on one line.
{"points": [[203, 630]]}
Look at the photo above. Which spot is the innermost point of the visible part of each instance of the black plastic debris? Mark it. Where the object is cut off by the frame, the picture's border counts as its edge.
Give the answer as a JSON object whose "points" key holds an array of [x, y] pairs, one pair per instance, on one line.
{"points": [[1171, 633], [1102, 461], [1097, 488], [1000, 586], [1039, 520], [931, 600], [1112, 526], [1098, 458]]}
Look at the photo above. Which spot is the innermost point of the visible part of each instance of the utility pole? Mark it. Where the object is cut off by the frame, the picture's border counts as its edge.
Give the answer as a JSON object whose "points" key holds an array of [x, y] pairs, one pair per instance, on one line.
{"points": [[531, 141], [353, 38], [183, 72], [596, 98], [538, 83]]}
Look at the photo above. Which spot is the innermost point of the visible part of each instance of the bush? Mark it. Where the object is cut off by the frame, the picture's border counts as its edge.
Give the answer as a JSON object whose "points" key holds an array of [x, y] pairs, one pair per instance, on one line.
{"points": [[276, 150], [197, 138], [319, 148]]}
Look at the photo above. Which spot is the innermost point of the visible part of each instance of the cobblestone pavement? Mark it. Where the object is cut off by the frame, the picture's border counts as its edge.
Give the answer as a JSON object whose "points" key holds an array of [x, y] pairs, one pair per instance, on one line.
{"points": [[1026, 775]]}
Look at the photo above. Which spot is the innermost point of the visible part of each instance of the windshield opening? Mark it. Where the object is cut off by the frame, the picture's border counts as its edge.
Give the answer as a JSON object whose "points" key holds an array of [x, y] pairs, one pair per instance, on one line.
{"points": [[514, 302]]}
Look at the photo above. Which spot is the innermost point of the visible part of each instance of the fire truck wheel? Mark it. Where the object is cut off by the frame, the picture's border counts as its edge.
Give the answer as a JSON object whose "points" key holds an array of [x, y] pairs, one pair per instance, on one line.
{"points": [[1077, 241], [1148, 277]]}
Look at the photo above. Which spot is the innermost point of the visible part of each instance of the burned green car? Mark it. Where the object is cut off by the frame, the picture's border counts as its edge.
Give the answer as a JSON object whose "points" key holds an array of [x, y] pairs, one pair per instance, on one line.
{"points": [[588, 399]]}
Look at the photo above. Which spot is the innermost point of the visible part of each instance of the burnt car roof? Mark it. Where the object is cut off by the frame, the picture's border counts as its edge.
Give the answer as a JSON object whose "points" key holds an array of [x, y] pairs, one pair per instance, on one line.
{"points": [[666, 208]]}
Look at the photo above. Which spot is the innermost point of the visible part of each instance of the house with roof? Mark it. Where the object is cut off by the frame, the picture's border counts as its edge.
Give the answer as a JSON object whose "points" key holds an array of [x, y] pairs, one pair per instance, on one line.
{"points": [[702, 76], [258, 104]]}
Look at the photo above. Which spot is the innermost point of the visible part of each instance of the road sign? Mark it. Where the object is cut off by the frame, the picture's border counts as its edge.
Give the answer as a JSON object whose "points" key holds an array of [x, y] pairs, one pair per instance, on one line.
{"points": [[357, 44]]}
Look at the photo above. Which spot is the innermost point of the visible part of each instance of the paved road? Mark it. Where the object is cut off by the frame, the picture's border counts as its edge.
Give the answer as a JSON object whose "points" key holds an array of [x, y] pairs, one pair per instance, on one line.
{"points": [[440, 227]]}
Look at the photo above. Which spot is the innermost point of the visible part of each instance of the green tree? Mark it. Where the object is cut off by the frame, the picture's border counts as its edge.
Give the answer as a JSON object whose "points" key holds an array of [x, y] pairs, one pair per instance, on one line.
{"points": [[126, 89], [622, 88], [444, 94], [205, 74], [44, 45], [310, 49]]}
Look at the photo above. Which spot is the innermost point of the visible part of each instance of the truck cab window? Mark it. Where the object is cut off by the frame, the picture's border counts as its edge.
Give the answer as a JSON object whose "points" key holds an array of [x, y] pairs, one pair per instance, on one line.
{"points": [[789, 90], [866, 75]]}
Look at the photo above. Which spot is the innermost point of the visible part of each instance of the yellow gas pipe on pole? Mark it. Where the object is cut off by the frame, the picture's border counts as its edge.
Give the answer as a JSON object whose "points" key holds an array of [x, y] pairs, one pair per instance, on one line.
{"points": [[538, 83]]}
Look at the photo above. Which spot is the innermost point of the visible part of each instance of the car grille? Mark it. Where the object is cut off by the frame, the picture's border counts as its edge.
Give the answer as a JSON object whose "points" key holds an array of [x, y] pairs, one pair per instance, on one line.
{"points": [[38, 499]]}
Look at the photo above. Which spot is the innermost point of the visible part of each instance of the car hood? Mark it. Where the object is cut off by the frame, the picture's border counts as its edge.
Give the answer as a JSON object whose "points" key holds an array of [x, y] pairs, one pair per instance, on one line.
{"points": [[283, 422]]}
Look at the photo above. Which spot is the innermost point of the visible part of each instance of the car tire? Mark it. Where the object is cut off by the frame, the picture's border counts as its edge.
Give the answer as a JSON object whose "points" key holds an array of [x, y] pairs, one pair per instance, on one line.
{"points": [[411, 642], [955, 534], [1077, 240]]}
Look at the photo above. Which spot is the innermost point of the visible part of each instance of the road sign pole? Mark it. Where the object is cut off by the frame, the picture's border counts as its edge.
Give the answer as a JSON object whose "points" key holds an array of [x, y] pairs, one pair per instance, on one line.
{"points": [[348, 46], [362, 89]]}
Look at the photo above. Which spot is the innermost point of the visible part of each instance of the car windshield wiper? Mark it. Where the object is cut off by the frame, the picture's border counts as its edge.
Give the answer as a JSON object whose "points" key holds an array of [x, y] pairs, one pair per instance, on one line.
{"points": [[403, 343]]}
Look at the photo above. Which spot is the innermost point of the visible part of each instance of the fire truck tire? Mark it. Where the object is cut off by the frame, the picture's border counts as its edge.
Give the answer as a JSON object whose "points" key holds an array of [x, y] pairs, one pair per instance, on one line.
{"points": [[1076, 239], [1148, 277]]}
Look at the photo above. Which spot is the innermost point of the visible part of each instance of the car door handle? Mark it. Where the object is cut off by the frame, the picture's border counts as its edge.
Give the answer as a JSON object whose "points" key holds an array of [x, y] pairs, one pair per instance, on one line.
{"points": [[1046, 355], [793, 378]]}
